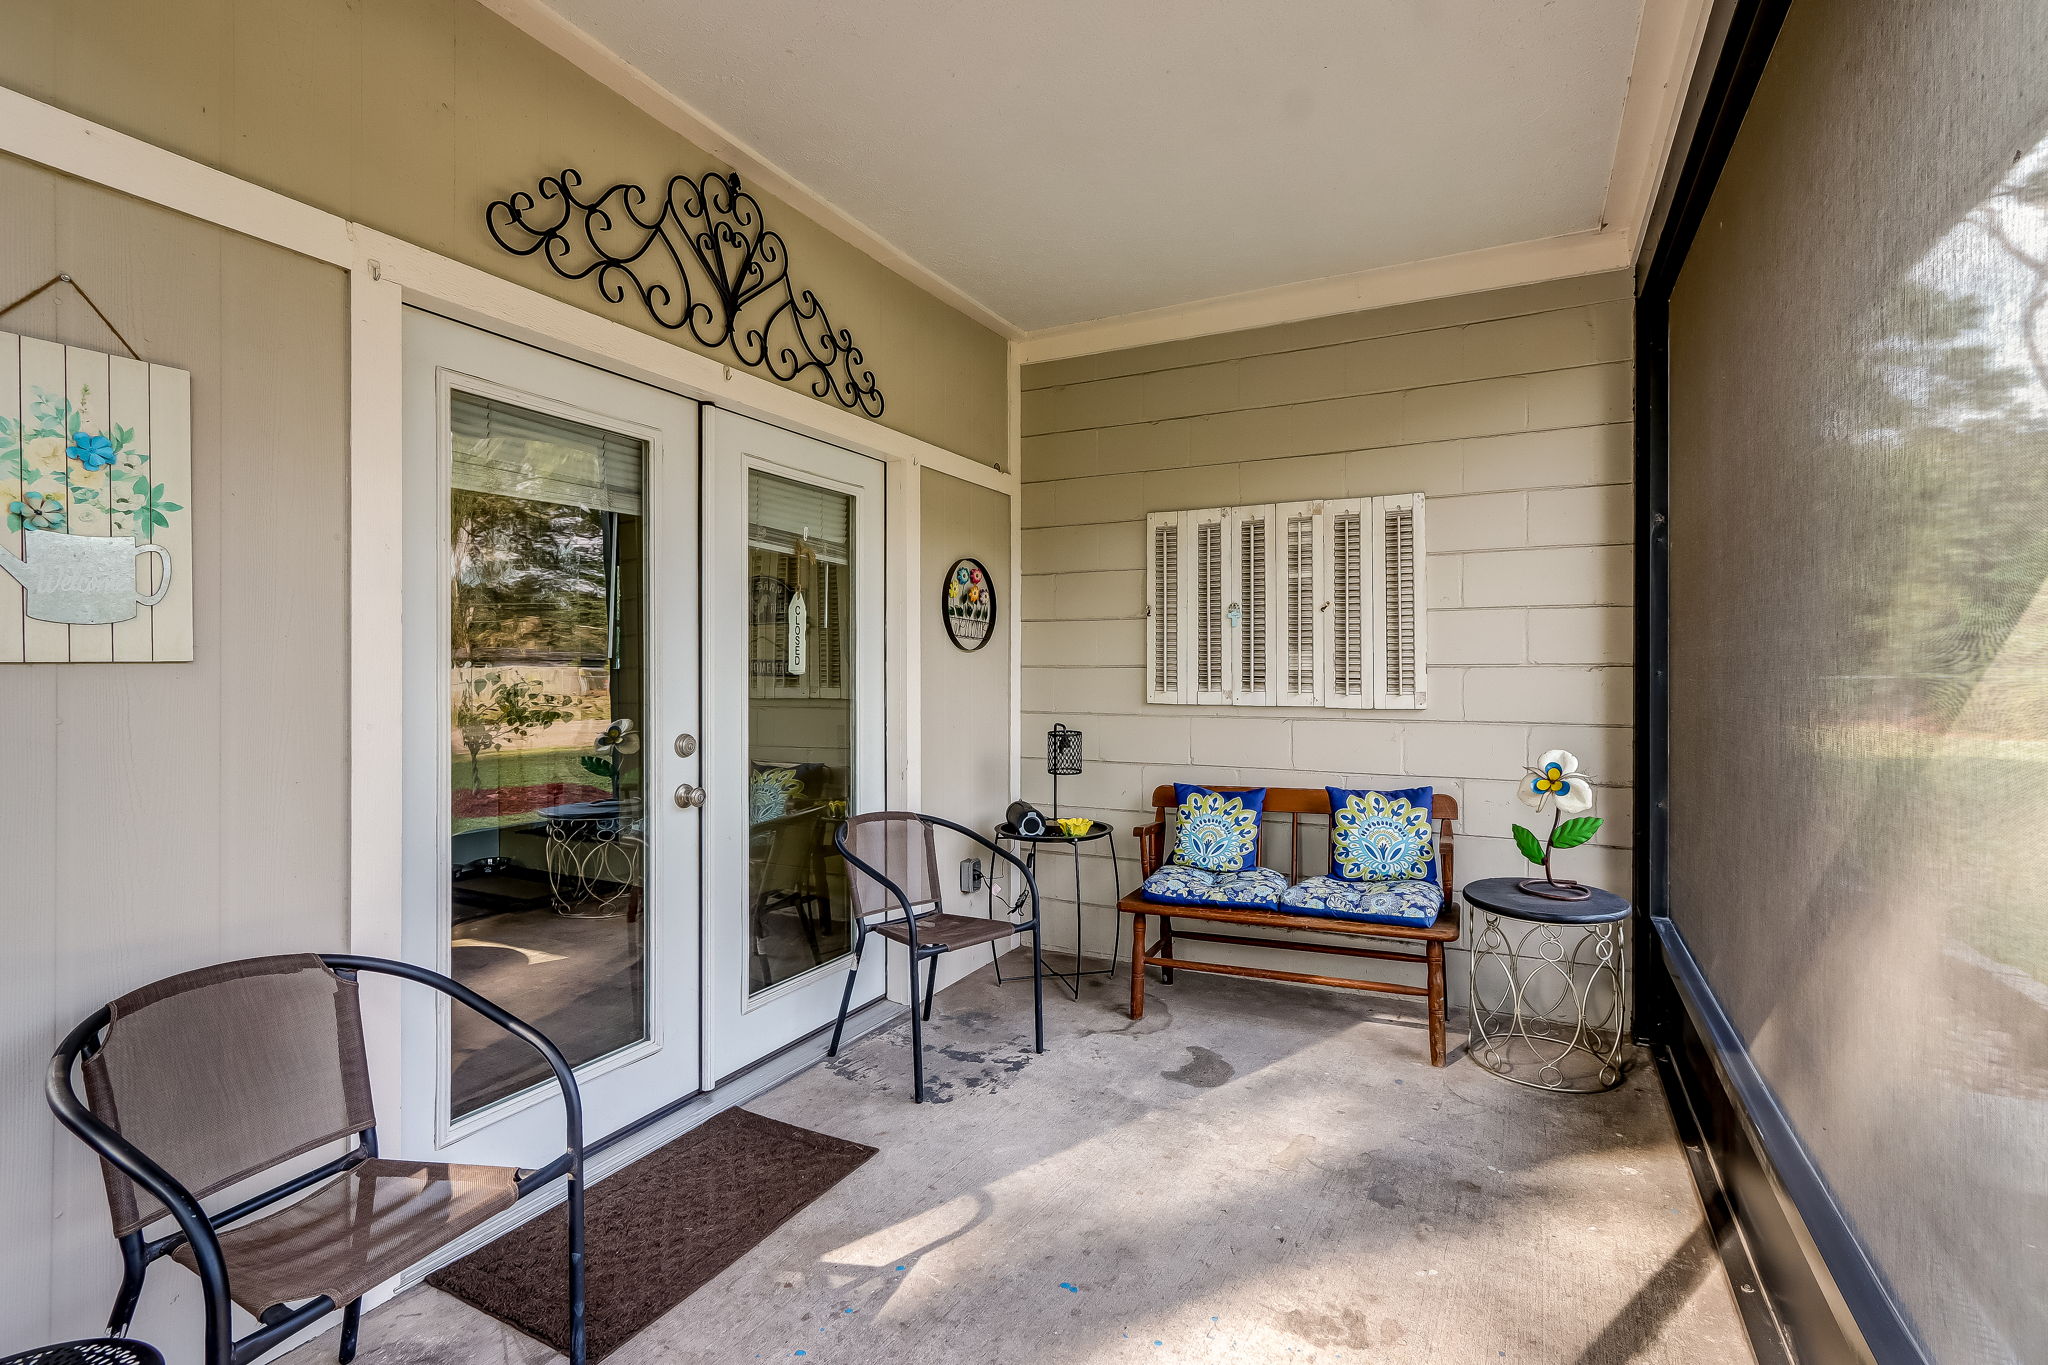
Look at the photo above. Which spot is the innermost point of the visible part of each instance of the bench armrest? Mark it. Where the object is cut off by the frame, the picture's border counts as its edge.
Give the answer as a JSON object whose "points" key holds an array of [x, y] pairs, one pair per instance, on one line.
{"points": [[1150, 852]]}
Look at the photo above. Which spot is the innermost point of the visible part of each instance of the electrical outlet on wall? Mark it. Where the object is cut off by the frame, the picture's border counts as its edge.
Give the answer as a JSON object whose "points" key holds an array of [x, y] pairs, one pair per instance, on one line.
{"points": [[971, 877]]}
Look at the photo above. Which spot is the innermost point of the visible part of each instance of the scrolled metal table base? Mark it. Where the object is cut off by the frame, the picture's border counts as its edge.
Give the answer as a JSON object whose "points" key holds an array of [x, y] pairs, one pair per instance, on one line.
{"points": [[1517, 1032]]}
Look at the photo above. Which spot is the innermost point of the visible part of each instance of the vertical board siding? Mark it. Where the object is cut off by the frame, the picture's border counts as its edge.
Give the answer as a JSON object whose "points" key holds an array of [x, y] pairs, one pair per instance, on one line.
{"points": [[161, 816], [1507, 410]]}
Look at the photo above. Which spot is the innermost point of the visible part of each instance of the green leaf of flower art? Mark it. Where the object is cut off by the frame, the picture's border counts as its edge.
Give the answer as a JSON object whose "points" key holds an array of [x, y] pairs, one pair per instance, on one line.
{"points": [[1572, 833], [1531, 847]]}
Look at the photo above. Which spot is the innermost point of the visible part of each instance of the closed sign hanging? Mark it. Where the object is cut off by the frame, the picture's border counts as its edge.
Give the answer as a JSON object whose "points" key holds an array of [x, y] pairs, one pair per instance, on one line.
{"points": [[797, 653]]}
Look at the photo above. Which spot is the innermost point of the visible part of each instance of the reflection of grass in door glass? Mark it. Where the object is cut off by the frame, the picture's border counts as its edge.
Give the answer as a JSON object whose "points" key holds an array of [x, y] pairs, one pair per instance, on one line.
{"points": [[518, 782]]}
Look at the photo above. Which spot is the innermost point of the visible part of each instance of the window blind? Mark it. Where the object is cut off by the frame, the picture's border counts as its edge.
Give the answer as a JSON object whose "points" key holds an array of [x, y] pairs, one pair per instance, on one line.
{"points": [[502, 448]]}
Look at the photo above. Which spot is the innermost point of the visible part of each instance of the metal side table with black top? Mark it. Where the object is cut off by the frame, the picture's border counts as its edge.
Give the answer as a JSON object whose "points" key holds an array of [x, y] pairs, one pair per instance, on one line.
{"points": [[1548, 986], [1029, 844]]}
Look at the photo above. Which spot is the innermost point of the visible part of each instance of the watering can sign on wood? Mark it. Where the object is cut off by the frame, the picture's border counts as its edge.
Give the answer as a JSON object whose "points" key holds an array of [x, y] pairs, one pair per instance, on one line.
{"points": [[95, 480]]}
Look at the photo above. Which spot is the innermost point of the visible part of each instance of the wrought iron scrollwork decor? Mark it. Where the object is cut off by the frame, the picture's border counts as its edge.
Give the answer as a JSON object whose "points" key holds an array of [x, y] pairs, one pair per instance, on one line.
{"points": [[699, 258]]}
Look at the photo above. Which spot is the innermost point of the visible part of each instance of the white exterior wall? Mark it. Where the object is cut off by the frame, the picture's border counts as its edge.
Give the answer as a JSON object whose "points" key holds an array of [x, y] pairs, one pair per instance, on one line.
{"points": [[1510, 410]]}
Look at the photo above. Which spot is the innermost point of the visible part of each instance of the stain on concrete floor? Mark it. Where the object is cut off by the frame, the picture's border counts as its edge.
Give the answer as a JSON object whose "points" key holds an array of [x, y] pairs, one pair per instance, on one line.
{"points": [[1273, 1174]]}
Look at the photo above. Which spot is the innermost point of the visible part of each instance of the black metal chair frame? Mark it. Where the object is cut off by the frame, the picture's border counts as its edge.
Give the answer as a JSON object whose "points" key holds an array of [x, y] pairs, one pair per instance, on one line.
{"points": [[200, 1229], [931, 953]]}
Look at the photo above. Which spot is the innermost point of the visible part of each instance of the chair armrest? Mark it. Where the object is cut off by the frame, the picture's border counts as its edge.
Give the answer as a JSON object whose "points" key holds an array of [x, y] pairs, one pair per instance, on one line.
{"points": [[1150, 851], [571, 1160]]}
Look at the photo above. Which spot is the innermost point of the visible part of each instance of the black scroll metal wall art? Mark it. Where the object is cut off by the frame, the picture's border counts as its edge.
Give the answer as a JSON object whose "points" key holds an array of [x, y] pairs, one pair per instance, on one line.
{"points": [[700, 258]]}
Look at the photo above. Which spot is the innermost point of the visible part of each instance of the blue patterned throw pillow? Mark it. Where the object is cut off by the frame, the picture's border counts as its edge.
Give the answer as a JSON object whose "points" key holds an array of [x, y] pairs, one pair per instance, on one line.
{"points": [[1382, 836], [1216, 831]]}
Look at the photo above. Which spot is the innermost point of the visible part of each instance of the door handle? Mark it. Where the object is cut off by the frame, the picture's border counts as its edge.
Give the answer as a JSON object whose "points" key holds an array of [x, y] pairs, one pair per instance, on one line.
{"points": [[689, 797]]}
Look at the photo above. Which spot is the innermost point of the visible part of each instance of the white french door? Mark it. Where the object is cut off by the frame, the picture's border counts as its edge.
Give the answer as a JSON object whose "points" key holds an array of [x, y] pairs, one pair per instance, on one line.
{"points": [[551, 519], [793, 682]]}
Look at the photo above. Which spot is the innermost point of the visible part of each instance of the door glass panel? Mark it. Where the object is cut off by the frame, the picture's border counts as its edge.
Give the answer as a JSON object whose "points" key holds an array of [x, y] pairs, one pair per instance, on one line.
{"points": [[547, 693], [800, 724]]}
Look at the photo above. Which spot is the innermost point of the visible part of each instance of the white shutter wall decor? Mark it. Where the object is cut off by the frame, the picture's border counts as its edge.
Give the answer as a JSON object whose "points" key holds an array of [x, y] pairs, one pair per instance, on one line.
{"points": [[1253, 574], [1203, 537], [1291, 604], [1401, 679], [1163, 635]]}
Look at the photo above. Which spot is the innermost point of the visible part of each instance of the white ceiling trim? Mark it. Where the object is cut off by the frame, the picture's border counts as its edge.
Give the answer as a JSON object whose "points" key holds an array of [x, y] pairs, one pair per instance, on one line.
{"points": [[1667, 48], [552, 31], [1495, 267]]}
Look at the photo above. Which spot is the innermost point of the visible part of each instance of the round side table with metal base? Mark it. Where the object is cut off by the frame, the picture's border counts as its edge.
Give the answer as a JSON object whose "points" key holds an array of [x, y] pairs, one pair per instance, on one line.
{"points": [[1548, 987], [1008, 834]]}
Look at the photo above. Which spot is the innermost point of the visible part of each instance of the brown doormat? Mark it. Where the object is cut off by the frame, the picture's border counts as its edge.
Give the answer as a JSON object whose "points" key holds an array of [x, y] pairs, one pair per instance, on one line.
{"points": [[655, 1232]]}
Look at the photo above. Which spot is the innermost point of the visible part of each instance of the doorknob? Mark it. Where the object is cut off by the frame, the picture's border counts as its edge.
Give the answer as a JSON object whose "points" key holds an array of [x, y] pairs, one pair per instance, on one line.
{"points": [[689, 797], [686, 745]]}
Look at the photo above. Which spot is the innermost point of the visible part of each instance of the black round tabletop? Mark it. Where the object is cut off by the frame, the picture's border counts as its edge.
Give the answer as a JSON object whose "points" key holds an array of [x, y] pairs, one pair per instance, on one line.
{"points": [[1053, 834], [1504, 896]]}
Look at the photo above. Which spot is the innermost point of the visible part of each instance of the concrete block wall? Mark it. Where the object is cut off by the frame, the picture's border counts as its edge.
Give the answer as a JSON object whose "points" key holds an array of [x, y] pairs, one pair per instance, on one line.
{"points": [[1509, 409]]}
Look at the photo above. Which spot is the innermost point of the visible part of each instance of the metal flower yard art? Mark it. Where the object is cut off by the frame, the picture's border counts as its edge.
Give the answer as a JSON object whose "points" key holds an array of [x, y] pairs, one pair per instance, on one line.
{"points": [[1557, 784]]}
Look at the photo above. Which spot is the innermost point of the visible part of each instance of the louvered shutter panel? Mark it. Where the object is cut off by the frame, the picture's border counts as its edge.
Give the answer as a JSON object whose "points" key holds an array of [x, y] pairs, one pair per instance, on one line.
{"points": [[1164, 640], [1254, 551], [1350, 640], [1205, 594], [1402, 677], [1300, 627]]}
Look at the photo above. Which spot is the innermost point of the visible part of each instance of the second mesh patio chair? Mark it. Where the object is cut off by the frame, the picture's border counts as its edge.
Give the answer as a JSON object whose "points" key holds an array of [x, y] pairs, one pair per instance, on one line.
{"points": [[892, 863], [202, 1080]]}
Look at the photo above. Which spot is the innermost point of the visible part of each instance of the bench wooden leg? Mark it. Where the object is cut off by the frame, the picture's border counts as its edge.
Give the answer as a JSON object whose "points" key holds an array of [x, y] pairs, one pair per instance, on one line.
{"points": [[1166, 946], [1437, 1047], [1137, 966]]}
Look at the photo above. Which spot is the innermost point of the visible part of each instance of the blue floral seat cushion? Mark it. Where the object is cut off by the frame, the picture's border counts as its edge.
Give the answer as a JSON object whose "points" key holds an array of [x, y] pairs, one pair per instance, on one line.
{"points": [[1403, 901], [1380, 836], [1255, 888], [1216, 831]]}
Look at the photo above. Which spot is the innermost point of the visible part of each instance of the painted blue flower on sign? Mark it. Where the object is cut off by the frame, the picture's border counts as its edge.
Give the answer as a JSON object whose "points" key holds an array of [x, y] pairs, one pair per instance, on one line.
{"points": [[1214, 831], [37, 512], [92, 452], [1382, 839]]}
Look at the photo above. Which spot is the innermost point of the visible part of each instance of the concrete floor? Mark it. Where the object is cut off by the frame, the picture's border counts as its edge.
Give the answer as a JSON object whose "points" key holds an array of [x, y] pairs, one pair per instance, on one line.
{"points": [[1255, 1172]]}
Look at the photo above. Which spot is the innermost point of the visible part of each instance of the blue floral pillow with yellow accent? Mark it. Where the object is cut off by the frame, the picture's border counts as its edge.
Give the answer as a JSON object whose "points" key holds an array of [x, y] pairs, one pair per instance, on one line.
{"points": [[1216, 831], [1382, 836]]}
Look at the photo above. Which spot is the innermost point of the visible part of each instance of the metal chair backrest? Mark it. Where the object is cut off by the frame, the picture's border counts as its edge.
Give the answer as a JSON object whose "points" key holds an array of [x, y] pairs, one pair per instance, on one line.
{"points": [[893, 844], [220, 1073]]}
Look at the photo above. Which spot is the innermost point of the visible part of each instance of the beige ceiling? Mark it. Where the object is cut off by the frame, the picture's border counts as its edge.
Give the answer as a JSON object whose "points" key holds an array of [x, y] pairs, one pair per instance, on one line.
{"points": [[1065, 160]]}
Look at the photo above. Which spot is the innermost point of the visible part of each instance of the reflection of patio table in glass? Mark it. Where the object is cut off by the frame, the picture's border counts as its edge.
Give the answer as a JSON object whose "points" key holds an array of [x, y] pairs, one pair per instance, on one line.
{"points": [[1547, 986], [1055, 835], [594, 853]]}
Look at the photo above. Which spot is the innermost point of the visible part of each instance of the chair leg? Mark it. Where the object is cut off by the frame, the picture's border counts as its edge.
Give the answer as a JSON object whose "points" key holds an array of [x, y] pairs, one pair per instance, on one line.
{"points": [[1137, 966], [351, 1323], [133, 1266], [916, 1038], [845, 1002], [931, 985], [576, 1270], [1038, 985], [1166, 947], [1437, 1047]]}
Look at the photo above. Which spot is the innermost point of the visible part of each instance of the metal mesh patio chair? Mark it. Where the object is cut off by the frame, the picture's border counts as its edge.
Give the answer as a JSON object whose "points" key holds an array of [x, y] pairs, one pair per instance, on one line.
{"points": [[98, 1351], [202, 1080], [893, 862]]}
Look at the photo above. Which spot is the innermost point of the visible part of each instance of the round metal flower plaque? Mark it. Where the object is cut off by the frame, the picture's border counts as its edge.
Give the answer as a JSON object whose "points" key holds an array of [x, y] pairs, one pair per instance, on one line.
{"points": [[969, 604]]}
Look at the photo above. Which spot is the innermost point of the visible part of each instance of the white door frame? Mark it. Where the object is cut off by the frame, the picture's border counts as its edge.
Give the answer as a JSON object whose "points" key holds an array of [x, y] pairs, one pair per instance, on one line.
{"points": [[387, 273], [443, 355], [734, 447]]}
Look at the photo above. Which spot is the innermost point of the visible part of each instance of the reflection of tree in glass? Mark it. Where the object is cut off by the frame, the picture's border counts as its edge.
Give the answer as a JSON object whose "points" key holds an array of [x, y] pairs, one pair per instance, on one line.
{"points": [[529, 579], [492, 708]]}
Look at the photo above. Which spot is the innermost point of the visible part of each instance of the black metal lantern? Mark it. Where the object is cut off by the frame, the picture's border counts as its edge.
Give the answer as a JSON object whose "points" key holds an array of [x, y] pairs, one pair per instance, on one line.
{"points": [[1062, 759]]}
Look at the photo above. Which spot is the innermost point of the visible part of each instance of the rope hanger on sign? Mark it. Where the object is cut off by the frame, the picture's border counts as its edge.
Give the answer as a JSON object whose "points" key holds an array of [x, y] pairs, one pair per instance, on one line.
{"points": [[60, 278]]}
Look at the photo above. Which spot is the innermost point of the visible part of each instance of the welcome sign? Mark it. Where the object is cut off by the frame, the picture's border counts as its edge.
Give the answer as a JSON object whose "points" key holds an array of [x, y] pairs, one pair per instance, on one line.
{"points": [[95, 483]]}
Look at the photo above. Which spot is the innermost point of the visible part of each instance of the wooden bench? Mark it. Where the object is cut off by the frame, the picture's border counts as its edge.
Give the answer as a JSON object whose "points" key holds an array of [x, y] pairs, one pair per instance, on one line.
{"points": [[1293, 803]]}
